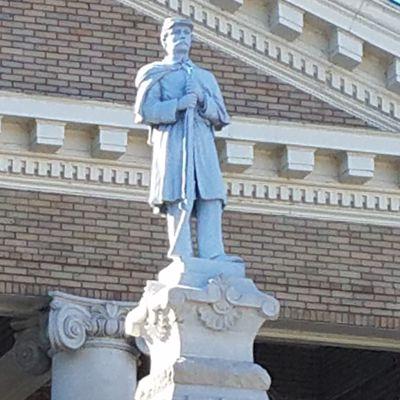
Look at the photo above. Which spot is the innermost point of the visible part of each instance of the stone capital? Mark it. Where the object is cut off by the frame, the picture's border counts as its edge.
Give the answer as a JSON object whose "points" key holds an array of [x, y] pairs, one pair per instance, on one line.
{"points": [[219, 295], [77, 322], [31, 344]]}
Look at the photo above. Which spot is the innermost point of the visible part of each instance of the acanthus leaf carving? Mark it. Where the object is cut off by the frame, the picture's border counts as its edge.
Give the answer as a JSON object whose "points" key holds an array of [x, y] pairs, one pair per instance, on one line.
{"points": [[159, 323], [108, 320], [151, 320]]}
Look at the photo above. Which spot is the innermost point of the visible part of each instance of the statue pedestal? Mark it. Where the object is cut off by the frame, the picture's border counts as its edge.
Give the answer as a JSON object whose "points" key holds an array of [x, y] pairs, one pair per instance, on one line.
{"points": [[199, 321]]}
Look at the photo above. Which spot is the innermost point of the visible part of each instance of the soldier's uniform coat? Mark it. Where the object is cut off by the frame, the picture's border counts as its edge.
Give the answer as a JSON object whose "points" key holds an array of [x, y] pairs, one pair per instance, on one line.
{"points": [[160, 85]]}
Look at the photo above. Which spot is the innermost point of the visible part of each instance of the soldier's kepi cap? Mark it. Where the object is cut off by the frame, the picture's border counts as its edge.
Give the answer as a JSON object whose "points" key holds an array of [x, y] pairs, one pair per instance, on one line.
{"points": [[171, 21]]}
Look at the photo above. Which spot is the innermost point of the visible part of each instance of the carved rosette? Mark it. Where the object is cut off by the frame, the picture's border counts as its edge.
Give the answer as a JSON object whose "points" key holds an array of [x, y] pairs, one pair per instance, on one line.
{"points": [[224, 300], [219, 306], [220, 314], [75, 321], [31, 345]]}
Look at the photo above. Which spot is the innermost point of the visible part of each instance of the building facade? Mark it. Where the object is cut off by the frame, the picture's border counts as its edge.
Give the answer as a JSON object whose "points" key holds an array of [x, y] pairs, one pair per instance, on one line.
{"points": [[310, 161]]}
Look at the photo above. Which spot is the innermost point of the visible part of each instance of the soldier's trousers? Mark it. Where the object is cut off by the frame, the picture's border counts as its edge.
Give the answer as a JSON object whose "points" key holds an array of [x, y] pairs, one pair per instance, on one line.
{"points": [[208, 228]]}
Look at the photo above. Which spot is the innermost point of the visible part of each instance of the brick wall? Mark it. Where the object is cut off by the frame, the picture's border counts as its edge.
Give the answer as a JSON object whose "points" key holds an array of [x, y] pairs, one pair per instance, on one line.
{"points": [[320, 271], [92, 49]]}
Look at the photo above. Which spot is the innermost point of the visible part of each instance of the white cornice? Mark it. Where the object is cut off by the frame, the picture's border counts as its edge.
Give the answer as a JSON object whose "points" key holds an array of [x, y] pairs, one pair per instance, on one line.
{"points": [[66, 110], [247, 39], [259, 131], [325, 137]]}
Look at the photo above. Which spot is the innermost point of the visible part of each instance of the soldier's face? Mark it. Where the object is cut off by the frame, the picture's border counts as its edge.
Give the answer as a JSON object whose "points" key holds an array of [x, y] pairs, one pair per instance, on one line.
{"points": [[178, 39]]}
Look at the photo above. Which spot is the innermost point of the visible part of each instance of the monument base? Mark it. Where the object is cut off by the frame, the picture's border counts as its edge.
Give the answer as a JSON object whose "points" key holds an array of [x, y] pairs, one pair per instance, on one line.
{"points": [[206, 378], [199, 322], [200, 392]]}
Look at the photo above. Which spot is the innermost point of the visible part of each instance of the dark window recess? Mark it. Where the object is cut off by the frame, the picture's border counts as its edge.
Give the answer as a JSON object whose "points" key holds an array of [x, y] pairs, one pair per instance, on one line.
{"points": [[301, 372]]}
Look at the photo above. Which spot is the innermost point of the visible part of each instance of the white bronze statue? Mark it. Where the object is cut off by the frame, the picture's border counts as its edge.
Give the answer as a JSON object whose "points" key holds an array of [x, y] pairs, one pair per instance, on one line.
{"points": [[182, 104]]}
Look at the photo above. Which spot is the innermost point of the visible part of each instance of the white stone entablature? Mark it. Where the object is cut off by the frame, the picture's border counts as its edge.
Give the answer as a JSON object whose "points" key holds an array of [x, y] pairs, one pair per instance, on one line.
{"points": [[297, 169]]}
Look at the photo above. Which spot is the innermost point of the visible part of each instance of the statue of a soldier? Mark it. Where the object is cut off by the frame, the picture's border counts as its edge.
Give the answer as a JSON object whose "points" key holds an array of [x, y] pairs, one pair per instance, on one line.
{"points": [[183, 105]]}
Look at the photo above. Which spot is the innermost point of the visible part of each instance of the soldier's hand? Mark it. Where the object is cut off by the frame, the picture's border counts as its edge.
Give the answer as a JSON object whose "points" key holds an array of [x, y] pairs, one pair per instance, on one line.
{"points": [[192, 86], [187, 101]]}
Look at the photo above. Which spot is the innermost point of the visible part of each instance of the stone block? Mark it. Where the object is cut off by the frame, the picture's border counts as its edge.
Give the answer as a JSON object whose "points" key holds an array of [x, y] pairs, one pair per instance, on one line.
{"points": [[297, 162], [356, 167], [196, 271], [191, 319], [228, 5], [47, 136], [286, 20], [236, 156], [110, 142], [393, 75], [345, 49]]}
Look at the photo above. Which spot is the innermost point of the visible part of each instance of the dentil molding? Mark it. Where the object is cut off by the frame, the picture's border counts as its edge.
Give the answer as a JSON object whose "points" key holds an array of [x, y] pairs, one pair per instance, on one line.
{"points": [[352, 203]]}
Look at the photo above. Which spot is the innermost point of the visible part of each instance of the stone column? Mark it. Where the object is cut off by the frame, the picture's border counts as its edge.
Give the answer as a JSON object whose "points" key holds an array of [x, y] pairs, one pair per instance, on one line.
{"points": [[199, 321], [91, 357]]}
